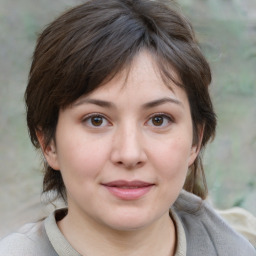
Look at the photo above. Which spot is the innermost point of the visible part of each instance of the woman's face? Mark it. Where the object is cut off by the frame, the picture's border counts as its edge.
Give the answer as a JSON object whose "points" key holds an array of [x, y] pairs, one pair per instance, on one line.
{"points": [[124, 150]]}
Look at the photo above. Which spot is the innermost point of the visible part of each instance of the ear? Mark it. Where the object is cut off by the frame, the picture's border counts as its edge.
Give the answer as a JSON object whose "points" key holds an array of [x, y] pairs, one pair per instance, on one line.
{"points": [[195, 149], [49, 151]]}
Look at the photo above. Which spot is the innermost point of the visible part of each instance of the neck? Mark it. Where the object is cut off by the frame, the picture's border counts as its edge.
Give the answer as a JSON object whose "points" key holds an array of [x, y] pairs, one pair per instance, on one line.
{"points": [[90, 238]]}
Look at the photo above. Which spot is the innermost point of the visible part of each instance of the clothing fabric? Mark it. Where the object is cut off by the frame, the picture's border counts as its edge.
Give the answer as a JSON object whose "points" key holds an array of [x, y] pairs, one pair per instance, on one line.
{"points": [[242, 221], [200, 231], [206, 232]]}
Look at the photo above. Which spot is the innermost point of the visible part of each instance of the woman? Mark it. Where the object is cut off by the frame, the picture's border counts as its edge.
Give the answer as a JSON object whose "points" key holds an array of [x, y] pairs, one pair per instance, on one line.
{"points": [[118, 102]]}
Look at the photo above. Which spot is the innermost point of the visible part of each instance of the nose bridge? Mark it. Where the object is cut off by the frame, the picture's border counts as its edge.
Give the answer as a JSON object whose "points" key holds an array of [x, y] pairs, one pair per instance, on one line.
{"points": [[127, 145]]}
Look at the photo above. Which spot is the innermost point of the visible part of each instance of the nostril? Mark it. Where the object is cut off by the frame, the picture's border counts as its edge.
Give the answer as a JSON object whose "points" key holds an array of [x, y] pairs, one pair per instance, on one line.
{"points": [[128, 156], [130, 165]]}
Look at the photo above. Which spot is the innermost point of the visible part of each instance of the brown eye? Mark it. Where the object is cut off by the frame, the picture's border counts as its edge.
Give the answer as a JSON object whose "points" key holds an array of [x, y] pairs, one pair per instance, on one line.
{"points": [[160, 120], [157, 120], [96, 120]]}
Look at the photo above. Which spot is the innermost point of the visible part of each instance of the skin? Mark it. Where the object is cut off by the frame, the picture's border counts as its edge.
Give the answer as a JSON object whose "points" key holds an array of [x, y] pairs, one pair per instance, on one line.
{"points": [[132, 128]]}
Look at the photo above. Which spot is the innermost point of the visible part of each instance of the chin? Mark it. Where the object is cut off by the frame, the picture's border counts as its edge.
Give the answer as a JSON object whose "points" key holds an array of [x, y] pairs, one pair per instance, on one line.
{"points": [[129, 221], [128, 226]]}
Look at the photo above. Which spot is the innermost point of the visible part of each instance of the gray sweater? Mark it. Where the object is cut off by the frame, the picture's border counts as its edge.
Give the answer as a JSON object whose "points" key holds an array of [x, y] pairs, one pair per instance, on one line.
{"points": [[200, 232], [206, 232]]}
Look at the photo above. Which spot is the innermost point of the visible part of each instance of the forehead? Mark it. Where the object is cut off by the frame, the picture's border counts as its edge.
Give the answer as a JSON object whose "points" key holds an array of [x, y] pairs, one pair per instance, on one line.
{"points": [[148, 66], [140, 82]]}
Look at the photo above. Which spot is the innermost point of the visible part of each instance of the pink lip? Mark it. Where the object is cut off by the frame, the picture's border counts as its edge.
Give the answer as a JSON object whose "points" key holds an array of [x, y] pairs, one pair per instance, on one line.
{"points": [[128, 190]]}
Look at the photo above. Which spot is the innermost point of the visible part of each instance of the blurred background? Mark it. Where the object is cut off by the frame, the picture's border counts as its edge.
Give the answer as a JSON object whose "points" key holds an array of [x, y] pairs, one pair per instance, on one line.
{"points": [[226, 30]]}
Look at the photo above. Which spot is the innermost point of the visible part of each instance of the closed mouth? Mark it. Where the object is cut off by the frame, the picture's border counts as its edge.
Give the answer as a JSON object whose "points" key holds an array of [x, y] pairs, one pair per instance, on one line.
{"points": [[128, 184], [128, 190]]}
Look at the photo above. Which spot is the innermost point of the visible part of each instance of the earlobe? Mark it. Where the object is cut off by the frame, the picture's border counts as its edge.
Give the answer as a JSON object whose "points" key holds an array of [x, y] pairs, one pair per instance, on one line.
{"points": [[195, 149], [49, 151], [193, 154]]}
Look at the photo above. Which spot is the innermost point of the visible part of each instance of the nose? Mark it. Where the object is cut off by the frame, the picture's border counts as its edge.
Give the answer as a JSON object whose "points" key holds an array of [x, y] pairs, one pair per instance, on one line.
{"points": [[128, 147]]}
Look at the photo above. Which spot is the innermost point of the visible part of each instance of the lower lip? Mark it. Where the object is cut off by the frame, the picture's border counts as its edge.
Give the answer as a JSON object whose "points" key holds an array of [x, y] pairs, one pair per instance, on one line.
{"points": [[129, 193]]}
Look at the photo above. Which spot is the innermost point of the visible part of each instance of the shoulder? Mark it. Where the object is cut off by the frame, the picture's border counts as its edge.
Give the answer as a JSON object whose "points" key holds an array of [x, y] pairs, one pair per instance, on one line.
{"points": [[206, 232], [30, 239], [242, 221]]}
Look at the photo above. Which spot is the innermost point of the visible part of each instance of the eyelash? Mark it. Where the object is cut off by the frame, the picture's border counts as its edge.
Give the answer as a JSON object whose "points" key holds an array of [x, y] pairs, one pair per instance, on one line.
{"points": [[165, 117], [89, 117]]}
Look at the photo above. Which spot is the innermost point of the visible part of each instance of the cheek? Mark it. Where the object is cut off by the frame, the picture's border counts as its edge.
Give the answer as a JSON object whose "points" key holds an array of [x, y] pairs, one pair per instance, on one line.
{"points": [[81, 160], [172, 158]]}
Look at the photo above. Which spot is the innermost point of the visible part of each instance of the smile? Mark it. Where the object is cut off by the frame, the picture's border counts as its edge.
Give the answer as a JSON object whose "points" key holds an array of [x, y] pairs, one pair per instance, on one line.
{"points": [[128, 190]]}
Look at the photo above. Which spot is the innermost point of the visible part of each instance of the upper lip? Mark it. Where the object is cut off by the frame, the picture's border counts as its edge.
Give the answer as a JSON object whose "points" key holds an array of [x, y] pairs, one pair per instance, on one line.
{"points": [[128, 184]]}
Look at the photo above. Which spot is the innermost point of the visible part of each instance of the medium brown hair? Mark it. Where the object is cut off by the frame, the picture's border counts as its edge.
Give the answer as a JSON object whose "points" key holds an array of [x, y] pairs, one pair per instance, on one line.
{"points": [[91, 43]]}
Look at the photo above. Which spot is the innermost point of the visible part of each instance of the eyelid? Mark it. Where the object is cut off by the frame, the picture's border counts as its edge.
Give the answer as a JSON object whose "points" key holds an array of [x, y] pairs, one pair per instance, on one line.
{"points": [[169, 116], [162, 114], [96, 114]]}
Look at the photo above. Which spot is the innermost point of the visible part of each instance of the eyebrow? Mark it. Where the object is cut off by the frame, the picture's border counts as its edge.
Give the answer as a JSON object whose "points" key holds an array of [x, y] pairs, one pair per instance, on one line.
{"points": [[158, 102], [107, 104], [101, 103]]}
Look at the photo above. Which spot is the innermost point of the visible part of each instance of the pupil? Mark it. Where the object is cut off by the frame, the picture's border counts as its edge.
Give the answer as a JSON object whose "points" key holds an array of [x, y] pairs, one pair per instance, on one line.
{"points": [[157, 120], [97, 121]]}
